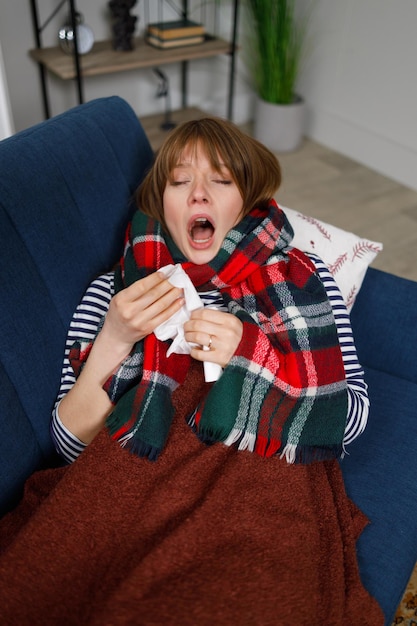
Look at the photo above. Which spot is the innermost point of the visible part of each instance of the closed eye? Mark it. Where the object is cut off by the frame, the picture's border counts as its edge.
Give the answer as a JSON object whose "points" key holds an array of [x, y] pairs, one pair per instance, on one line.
{"points": [[177, 183]]}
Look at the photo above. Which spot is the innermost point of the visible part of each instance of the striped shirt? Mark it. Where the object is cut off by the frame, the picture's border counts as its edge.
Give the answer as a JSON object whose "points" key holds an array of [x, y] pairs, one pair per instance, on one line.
{"points": [[95, 305]]}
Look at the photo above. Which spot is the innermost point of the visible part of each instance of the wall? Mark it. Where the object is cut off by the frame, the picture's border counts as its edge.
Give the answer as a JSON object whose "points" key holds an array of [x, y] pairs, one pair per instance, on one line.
{"points": [[360, 83], [6, 122]]}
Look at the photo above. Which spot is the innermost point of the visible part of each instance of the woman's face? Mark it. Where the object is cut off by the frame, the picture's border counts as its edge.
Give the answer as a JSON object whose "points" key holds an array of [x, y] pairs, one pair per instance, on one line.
{"points": [[200, 206]]}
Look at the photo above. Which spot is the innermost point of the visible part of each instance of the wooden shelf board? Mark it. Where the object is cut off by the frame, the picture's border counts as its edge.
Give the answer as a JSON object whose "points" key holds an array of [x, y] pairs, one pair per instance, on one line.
{"points": [[103, 59]]}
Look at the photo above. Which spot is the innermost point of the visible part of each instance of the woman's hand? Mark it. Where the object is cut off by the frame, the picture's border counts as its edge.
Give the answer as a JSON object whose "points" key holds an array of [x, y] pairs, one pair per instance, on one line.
{"points": [[133, 314], [220, 331], [136, 311]]}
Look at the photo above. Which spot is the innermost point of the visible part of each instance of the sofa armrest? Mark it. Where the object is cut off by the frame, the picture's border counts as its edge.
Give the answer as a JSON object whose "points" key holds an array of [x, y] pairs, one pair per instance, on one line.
{"points": [[384, 321]]}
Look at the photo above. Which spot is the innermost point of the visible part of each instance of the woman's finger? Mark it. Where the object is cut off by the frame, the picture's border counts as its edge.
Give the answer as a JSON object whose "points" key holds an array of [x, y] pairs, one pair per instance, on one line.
{"points": [[216, 333]]}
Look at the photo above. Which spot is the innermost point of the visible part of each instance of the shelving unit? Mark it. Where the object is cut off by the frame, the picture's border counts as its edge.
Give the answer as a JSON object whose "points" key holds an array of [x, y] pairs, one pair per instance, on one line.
{"points": [[103, 59]]}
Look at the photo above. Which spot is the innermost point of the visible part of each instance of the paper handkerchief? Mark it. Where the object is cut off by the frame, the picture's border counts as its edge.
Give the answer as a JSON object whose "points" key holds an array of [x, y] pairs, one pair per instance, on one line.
{"points": [[173, 327]]}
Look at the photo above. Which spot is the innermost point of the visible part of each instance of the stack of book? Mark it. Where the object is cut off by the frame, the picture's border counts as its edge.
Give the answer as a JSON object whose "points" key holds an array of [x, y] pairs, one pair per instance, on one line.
{"points": [[174, 34]]}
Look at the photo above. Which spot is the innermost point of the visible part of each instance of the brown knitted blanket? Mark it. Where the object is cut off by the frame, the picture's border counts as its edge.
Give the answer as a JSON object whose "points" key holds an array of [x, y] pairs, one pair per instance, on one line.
{"points": [[205, 536]]}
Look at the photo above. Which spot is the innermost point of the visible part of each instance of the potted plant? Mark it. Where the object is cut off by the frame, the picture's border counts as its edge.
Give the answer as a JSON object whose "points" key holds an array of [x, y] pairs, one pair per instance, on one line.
{"points": [[277, 40]]}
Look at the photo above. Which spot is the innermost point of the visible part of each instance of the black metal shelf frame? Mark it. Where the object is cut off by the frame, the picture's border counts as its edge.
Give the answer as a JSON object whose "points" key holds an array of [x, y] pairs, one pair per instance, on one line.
{"points": [[39, 28]]}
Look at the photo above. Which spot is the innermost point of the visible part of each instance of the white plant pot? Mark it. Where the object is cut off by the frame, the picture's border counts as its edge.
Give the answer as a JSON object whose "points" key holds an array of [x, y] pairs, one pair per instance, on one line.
{"points": [[280, 127]]}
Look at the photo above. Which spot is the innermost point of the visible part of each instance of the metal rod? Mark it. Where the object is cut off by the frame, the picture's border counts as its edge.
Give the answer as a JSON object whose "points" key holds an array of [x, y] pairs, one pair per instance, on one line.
{"points": [[76, 52], [50, 18], [42, 73], [184, 83], [184, 64], [233, 61]]}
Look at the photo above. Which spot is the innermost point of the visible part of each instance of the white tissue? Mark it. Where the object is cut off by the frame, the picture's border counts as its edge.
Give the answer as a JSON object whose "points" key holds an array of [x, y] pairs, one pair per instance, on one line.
{"points": [[173, 328], [212, 371]]}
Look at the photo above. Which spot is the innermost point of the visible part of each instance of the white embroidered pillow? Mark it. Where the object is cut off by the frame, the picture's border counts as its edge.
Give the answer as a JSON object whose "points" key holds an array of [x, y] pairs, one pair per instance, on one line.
{"points": [[346, 255]]}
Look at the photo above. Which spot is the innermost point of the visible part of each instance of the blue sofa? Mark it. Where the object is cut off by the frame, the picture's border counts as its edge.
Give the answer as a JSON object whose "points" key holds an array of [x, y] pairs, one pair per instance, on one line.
{"points": [[65, 197]]}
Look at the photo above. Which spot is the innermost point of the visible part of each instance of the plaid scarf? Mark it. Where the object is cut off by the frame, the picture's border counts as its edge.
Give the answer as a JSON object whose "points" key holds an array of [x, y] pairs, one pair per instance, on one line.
{"points": [[284, 390]]}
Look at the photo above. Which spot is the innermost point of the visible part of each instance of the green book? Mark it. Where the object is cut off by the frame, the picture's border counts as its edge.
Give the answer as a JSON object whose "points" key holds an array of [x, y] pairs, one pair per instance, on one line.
{"points": [[175, 29], [174, 43]]}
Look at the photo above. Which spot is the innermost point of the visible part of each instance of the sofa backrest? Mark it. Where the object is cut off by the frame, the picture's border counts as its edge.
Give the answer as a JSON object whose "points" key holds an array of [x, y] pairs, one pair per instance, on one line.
{"points": [[66, 190], [384, 321]]}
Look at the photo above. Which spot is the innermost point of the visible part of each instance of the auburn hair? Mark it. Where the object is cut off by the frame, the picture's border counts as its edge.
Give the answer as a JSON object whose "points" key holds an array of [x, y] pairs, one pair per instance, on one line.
{"points": [[254, 168]]}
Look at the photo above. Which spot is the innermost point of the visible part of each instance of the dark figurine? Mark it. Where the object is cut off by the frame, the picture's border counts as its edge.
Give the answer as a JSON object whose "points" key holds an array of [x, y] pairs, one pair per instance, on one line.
{"points": [[124, 23]]}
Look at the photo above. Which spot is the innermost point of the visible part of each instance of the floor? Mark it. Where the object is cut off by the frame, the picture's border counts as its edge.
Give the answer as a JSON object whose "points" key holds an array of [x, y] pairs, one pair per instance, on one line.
{"points": [[331, 187]]}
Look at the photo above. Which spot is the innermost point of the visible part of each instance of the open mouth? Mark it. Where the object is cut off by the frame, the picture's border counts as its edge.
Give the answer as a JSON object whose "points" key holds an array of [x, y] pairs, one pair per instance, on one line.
{"points": [[201, 230]]}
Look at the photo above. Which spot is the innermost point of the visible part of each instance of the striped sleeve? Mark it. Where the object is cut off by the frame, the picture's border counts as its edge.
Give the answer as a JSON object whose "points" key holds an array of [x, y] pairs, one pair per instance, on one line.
{"points": [[358, 400], [84, 324]]}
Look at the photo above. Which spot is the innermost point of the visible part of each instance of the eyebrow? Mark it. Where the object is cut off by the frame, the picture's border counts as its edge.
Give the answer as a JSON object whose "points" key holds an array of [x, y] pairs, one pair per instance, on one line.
{"points": [[188, 163]]}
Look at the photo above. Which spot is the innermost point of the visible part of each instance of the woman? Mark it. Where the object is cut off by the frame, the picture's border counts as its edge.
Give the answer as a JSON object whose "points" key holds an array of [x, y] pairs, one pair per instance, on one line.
{"points": [[242, 518]]}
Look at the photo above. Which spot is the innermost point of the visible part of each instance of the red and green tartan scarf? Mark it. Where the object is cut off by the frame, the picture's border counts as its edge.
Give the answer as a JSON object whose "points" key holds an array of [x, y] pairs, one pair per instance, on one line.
{"points": [[284, 390]]}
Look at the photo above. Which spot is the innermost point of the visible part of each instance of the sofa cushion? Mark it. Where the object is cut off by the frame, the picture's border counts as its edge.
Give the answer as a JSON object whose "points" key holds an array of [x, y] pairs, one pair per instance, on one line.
{"points": [[381, 475], [384, 324], [346, 254]]}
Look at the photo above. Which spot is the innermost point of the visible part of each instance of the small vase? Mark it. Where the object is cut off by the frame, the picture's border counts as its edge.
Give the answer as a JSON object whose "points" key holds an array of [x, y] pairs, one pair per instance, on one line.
{"points": [[280, 127], [123, 24]]}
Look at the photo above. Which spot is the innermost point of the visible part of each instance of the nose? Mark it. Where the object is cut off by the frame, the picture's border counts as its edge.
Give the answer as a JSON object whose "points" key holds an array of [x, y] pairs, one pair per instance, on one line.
{"points": [[199, 193]]}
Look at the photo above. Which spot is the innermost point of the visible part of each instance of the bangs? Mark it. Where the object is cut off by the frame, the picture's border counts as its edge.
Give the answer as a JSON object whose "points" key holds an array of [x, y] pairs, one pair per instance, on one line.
{"points": [[194, 138]]}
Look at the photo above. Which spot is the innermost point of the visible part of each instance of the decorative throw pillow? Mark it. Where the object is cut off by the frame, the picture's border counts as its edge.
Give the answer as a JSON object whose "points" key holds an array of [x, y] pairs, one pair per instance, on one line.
{"points": [[346, 255]]}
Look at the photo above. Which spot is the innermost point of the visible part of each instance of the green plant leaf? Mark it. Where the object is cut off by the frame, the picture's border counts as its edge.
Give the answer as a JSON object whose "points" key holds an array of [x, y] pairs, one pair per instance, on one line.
{"points": [[277, 41]]}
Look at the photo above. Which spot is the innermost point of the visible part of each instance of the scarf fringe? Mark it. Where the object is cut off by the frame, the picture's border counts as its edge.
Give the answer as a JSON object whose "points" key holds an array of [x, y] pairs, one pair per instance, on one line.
{"points": [[243, 440], [139, 447], [246, 440], [207, 435], [131, 440], [310, 454]]}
